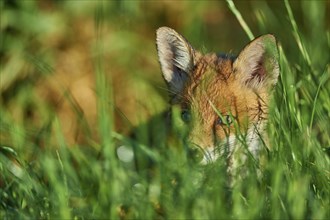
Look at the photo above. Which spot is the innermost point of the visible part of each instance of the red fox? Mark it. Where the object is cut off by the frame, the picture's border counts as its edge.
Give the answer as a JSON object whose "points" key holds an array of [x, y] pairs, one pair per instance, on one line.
{"points": [[223, 99]]}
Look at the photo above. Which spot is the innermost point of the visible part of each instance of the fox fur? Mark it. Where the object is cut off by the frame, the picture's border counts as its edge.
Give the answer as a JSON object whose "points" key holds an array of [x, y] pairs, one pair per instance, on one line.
{"points": [[223, 99]]}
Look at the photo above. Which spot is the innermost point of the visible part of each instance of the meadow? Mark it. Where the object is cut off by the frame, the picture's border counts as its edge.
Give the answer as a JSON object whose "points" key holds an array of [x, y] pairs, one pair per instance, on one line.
{"points": [[76, 77]]}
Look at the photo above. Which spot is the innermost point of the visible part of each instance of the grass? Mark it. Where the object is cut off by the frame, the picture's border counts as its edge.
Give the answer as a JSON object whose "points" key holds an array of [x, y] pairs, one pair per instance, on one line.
{"points": [[63, 156]]}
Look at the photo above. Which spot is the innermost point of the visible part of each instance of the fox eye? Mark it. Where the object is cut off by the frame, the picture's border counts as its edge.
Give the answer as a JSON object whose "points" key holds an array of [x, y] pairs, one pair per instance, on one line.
{"points": [[185, 116], [224, 120]]}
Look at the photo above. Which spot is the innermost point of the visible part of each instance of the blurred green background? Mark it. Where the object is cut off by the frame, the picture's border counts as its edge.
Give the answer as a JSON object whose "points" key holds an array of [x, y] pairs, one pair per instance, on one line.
{"points": [[75, 75]]}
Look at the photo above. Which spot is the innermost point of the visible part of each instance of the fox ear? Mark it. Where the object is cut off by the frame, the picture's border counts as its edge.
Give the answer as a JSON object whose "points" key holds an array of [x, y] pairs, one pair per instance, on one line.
{"points": [[176, 58], [257, 64]]}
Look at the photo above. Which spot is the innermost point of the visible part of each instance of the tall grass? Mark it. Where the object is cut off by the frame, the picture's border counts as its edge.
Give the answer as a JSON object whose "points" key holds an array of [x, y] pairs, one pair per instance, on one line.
{"points": [[112, 175]]}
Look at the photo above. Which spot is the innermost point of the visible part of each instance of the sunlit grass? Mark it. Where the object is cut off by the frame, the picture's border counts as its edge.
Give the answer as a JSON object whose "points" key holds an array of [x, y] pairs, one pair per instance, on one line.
{"points": [[108, 174]]}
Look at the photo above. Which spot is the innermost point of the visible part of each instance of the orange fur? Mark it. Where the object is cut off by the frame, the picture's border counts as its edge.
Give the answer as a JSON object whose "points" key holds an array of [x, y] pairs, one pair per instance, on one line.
{"points": [[223, 96]]}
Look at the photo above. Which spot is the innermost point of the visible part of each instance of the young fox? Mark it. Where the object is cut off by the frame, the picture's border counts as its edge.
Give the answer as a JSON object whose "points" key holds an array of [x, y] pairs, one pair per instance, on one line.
{"points": [[223, 99]]}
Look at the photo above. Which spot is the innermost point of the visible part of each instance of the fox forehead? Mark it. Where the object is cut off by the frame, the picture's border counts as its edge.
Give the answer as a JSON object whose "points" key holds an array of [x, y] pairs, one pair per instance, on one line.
{"points": [[211, 69], [213, 88], [212, 80]]}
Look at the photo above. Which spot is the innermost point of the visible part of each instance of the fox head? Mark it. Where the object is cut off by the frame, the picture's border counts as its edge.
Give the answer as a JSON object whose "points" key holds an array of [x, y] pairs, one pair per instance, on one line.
{"points": [[223, 99]]}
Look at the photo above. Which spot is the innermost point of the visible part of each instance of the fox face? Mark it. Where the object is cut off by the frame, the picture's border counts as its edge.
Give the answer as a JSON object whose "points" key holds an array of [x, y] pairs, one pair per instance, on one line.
{"points": [[223, 99]]}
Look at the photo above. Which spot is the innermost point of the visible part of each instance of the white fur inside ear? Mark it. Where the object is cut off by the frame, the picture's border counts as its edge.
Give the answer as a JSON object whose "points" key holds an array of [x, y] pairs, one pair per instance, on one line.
{"points": [[175, 56], [257, 65]]}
